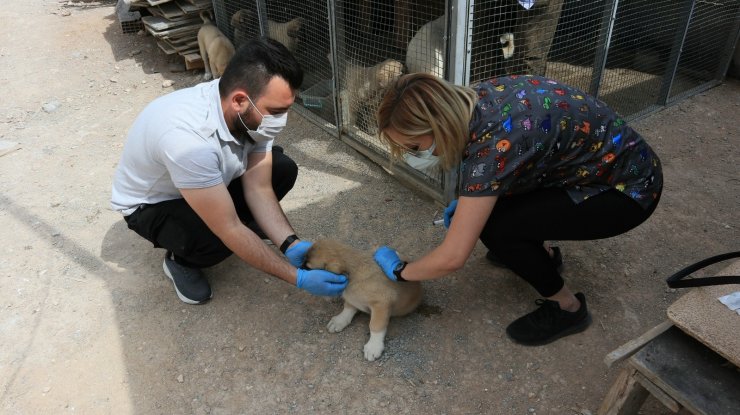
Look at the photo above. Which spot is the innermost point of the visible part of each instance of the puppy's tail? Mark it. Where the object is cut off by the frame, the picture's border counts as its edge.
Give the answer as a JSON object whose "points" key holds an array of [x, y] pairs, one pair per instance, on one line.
{"points": [[206, 16]]}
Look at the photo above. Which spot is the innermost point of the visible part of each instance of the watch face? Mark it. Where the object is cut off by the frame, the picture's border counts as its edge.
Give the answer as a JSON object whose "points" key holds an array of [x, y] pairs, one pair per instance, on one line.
{"points": [[399, 268]]}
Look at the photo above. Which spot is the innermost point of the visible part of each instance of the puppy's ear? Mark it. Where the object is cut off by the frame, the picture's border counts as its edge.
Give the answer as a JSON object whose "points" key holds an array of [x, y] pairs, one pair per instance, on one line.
{"points": [[235, 18], [335, 265], [294, 27]]}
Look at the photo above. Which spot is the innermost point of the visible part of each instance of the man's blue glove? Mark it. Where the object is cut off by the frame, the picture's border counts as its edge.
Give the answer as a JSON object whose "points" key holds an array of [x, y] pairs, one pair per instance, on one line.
{"points": [[388, 261], [320, 282], [449, 212], [296, 254]]}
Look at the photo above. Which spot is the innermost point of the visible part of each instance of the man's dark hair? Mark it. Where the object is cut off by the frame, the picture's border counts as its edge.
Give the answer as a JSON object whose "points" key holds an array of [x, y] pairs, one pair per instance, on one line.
{"points": [[255, 63]]}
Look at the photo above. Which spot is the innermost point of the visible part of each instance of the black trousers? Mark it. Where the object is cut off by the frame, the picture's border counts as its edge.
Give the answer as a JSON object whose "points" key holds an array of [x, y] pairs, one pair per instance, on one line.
{"points": [[175, 226], [519, 225]]}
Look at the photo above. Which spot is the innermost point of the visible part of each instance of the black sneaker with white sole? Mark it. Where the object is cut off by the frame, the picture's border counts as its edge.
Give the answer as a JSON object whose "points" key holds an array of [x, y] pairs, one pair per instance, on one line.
{"points": [[549, 323], [190, 284]]}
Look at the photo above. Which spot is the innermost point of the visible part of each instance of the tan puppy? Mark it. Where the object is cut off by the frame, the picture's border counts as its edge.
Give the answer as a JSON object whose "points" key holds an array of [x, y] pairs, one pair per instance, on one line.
{"points": [[286, 33], [363, 85], [369, 290], [215, 48]]}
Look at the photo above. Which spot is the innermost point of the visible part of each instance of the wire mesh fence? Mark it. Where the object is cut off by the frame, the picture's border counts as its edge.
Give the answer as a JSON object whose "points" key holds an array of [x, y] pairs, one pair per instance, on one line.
{"points": [[635, 55]]}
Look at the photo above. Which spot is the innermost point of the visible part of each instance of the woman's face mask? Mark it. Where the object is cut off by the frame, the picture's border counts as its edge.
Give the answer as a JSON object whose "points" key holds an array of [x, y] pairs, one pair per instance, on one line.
{"points": [[422, 160], [269, 127]]}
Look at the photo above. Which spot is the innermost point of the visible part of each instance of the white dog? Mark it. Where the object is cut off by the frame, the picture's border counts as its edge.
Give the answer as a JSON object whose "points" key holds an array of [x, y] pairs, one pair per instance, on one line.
{"points": [[426, 50]]}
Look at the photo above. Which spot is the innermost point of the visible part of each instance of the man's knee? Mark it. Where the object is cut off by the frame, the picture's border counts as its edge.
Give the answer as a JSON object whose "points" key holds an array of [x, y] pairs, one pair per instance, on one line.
{"points": [[284, 173]]}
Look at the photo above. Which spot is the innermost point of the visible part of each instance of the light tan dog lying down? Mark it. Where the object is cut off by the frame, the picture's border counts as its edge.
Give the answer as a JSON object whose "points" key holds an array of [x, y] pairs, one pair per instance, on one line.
{"points": [[369, 290]]}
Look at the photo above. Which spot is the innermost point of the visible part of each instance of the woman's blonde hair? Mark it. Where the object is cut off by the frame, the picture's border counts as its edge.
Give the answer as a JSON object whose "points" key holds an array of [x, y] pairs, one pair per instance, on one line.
{"points": [[419, 104]]}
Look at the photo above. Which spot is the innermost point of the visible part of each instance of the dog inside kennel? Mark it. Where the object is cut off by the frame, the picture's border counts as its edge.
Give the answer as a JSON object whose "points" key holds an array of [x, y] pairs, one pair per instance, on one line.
{"points": [[636, 56]]}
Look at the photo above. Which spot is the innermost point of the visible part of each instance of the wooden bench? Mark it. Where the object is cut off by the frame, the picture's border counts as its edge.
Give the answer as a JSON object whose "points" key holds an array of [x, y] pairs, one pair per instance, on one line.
{"points": [[680, 372], [689, 361]]}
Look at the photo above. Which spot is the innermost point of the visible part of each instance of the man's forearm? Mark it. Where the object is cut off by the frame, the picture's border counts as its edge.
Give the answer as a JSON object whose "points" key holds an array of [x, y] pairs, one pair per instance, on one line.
{"points": [[252, 250]]}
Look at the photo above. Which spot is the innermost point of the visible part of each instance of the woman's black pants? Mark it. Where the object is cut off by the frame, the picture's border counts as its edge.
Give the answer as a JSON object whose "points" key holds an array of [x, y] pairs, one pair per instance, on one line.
{"points": [[519, 225]]}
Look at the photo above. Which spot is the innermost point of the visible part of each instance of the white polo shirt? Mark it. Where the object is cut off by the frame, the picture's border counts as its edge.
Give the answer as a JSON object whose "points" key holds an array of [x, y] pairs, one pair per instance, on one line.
{"points": [[179, 141]]}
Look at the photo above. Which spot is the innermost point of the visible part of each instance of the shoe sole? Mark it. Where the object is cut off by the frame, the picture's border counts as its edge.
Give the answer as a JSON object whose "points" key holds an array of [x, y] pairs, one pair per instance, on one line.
{"points": [[583, 325], [179, 294]]}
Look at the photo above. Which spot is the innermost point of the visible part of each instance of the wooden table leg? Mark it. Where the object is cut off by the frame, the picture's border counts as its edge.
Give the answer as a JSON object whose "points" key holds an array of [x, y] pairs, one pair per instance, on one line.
{"points": [[626, 396]]}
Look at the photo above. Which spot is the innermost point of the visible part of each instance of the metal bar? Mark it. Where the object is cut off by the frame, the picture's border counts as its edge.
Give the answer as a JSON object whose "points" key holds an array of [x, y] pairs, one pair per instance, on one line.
{"points": [[335, 32], [457, 68], [459, 40], [605, 38], [219, 16], [678, 41], [262, 16], [729, 48]]}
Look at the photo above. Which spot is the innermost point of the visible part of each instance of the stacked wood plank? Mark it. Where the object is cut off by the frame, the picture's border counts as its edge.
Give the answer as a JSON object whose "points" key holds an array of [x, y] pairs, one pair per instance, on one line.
{"points": [[175, 25]]}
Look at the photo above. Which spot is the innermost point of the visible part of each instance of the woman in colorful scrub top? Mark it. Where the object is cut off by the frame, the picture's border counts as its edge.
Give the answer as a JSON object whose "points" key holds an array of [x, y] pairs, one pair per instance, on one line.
{"points": [[538, 161]]}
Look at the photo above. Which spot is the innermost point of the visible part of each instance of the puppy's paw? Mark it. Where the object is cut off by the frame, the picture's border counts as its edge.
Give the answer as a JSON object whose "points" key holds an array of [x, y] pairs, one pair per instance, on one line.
{"points": [[207, 76], [373, 349], [338, 323]]}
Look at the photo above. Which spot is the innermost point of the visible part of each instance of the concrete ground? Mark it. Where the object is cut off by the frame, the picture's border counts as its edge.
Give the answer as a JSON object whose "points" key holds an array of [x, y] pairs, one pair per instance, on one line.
{"points": [[90, 324]]}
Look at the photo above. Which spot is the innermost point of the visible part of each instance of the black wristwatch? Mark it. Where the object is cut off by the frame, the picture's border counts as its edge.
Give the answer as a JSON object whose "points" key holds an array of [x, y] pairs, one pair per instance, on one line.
{"points": [[398, 270], [286, 243]]}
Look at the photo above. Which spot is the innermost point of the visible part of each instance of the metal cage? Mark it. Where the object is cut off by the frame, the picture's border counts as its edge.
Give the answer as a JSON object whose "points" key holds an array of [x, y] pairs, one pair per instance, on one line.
{"points": [[636, 55]]}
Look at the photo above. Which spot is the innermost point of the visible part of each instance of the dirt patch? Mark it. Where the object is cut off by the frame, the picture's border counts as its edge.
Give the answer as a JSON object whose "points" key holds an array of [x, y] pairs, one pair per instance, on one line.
{"points": [[90, 324]]}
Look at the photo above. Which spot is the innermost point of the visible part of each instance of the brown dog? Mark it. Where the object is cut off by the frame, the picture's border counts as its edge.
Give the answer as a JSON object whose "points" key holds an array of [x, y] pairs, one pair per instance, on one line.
{"points": [[287, 33], [368, 290], [215, 48], [363, 86]]}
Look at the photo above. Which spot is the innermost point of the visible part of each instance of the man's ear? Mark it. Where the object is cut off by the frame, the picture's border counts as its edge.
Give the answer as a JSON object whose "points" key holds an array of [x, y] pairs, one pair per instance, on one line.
{"points": [[238, 100]]}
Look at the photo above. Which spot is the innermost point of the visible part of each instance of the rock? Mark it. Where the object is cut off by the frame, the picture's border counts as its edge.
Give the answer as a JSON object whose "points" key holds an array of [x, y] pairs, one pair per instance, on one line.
{"points": [[7, 147], [180, 378], [51, 106], [168, 83], [114, 80]]}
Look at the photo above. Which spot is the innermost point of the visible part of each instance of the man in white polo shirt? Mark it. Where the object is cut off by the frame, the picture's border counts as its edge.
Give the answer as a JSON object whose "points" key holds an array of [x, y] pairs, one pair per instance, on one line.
{"points": [[199, 164]]}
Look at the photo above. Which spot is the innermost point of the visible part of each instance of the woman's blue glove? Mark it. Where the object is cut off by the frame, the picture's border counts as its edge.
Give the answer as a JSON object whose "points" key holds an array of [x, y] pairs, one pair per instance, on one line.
{"points": [[296, 254], [388, 261], [320, 282], [449, 212]]}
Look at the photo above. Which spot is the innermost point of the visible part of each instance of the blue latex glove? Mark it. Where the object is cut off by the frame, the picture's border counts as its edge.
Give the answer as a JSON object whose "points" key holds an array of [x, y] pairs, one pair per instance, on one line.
{"points": [[296, 254], [449, 212], [388, 261], [320, 282]]}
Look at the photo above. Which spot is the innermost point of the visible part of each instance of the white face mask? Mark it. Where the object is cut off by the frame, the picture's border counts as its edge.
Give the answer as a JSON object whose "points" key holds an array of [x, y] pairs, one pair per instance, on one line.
{"points": [[422, 160], [269, 127]]}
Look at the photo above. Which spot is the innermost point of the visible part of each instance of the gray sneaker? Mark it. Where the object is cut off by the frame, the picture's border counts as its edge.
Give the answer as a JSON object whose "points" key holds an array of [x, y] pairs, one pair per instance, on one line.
{"points": [[190, 284]]}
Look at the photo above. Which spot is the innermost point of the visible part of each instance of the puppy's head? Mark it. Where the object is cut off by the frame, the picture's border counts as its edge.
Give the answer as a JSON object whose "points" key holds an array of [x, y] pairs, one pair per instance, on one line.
{"points": [[293, 28], [326, 254], [388, 71], [240, 19]]}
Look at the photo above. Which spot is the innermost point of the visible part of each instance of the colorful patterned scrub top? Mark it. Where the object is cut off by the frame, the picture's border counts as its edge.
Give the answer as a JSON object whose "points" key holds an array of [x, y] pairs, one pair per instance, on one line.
{"points": [[529, 132]]}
